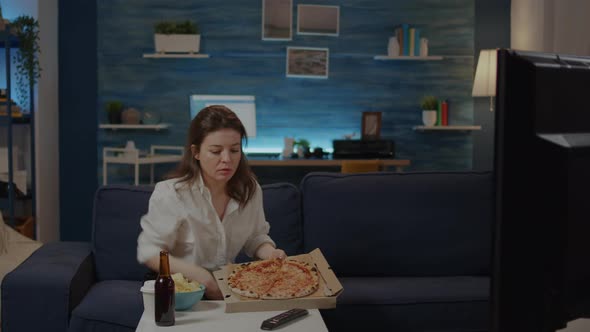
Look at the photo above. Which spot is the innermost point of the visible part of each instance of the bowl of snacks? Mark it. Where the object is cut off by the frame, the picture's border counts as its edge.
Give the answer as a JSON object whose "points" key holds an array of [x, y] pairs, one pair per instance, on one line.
{"points": [[188, 293]]}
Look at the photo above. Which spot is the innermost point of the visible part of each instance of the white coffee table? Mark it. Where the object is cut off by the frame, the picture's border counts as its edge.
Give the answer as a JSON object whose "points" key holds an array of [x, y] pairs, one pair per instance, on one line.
{"points": [[210, 316]]}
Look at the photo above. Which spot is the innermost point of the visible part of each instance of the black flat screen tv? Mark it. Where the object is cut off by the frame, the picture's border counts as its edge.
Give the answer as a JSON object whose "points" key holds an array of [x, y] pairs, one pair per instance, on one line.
{"points": [[541, 235]]}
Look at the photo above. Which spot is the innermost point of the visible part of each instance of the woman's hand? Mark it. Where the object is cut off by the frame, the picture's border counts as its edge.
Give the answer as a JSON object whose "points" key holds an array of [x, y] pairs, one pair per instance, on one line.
{"points": [[213, 293], [277, 253], [268, 251]]}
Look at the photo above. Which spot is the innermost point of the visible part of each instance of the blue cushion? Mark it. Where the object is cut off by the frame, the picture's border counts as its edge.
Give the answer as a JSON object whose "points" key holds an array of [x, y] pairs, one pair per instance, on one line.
{"points": [[282, 209], [400, 224], [115, 303], [432, 317], [413, 290], [117, 211]]}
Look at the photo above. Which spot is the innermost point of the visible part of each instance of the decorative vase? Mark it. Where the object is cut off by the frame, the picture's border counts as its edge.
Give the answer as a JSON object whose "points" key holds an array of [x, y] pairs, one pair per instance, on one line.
{"points": [[288, 148], [130, 150], [393, 47], [300, 151], [429, 117], [130, 116], [423, 47]]}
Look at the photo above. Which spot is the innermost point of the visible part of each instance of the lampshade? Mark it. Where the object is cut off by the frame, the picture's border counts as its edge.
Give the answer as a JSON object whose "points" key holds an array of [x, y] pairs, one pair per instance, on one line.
{"points": [[484, 84], [243, 106]]}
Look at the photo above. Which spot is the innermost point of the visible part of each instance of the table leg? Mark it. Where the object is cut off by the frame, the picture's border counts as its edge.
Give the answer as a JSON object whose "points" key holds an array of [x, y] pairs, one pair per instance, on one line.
{"points": [[151, 173], [104, 172], [136, 174]]}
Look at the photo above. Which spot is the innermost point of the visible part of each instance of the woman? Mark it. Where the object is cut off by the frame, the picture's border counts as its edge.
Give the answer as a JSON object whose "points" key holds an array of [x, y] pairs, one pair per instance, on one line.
{"points": [[211, 206]]}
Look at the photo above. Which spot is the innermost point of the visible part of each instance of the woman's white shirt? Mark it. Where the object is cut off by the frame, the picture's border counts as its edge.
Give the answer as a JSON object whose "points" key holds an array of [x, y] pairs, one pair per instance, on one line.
{"points": [[181, 219]]}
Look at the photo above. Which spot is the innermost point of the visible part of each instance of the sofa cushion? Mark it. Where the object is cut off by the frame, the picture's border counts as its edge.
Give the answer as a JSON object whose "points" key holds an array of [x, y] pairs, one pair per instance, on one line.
{"points": [[400, 224], [282, 209], [432, 317], [115, 303], [413, 290], [117, 211]]}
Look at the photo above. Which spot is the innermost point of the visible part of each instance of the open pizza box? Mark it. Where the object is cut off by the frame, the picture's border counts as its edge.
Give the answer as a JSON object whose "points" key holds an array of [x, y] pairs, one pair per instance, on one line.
{"points": [[323, 298]]}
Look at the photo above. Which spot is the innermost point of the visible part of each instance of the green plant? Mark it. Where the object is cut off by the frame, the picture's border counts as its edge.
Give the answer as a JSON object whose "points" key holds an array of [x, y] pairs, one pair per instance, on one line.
{"points": [[114, 106], [26, 58], [180, 28], [303, 143], [429, 103]]}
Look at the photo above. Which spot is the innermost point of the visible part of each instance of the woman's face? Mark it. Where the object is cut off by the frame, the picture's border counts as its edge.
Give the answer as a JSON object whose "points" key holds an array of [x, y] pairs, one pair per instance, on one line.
{"points": [[219, 155]]}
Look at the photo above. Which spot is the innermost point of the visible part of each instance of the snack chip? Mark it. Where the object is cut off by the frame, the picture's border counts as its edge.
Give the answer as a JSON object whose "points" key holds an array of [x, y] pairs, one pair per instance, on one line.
{"points": [[181, 284]]}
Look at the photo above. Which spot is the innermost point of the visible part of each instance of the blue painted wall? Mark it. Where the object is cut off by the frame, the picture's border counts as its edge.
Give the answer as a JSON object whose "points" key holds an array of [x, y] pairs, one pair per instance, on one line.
{"points": [[319, 110], [296, 107]]}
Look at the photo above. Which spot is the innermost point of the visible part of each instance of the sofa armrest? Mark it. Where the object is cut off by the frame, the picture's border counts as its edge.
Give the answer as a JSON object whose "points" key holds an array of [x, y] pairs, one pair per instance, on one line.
{"points": [[40, 294]]}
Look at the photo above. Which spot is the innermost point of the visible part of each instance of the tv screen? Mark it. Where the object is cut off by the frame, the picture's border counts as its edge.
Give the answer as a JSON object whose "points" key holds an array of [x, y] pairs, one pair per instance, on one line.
{"points": [[541, 249]]}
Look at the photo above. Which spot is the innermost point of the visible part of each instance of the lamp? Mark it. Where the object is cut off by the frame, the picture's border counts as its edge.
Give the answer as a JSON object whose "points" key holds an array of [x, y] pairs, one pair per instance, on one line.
{"points": [[484, 84]]}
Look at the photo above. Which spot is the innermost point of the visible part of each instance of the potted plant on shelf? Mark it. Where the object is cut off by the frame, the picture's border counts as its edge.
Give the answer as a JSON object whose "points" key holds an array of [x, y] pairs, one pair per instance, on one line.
{"points": [[26, 59], [302, 148], [114, 108], [429, 110], [177, 37]]}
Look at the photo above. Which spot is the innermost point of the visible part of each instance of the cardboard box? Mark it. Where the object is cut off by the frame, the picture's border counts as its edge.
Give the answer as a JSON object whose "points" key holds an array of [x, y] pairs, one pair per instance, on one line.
{"points": [[324, 298]]}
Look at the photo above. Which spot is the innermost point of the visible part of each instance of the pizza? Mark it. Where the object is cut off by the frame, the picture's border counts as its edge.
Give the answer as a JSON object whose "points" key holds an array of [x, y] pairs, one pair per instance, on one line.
{"points": [[274, 279]]}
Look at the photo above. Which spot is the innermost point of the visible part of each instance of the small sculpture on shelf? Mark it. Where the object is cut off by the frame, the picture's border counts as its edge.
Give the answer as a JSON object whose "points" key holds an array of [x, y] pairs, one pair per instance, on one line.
{"points": [[150, 118], [131, 116]]}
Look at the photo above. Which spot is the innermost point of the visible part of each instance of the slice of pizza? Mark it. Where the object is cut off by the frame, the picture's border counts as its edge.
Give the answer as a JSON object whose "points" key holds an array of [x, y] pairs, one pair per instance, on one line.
{"points": [[254, 278], [295, 279]]}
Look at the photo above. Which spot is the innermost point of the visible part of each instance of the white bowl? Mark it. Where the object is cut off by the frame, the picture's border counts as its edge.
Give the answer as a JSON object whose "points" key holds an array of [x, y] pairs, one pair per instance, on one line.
{"points": [[148, 291]]}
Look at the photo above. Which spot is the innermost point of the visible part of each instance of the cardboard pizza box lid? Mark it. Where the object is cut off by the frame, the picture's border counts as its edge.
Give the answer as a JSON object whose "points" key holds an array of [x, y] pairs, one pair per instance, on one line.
{"points": [[324, 298]]}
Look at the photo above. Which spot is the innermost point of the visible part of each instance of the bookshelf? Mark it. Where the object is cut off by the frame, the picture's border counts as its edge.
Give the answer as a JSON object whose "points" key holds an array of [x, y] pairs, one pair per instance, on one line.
{"points": [[409, 57], [447, 128], [156, 127]]}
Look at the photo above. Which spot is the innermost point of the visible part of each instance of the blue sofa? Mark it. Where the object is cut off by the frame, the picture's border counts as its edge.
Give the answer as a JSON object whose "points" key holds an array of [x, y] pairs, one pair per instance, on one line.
{"points": [[412, 251]]}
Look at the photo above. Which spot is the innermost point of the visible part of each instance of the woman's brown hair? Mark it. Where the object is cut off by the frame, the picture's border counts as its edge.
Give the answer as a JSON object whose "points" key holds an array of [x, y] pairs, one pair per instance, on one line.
{"points": [[242, 184]]}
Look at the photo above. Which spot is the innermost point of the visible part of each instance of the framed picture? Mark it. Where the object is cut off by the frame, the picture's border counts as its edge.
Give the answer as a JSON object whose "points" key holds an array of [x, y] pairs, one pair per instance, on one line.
{"points": [[276, 19], [318, 20], [371, 125], [307, 62]]}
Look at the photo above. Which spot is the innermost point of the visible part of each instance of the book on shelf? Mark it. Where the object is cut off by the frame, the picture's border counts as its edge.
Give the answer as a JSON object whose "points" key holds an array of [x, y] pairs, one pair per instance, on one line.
{"points": [[412, 41], [445, 113], [406, 33], [409, 40], [416, 42]]}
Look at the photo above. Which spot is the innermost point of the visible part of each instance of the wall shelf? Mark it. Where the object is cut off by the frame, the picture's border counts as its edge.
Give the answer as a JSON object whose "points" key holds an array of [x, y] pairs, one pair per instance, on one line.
{"points": [[175, 56], [447, 128], [409, 57], [137, 126]]}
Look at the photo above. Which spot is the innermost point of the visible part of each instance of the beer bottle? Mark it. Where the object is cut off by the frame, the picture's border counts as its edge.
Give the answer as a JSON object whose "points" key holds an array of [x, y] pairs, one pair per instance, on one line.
{"points": [[164, 297]]}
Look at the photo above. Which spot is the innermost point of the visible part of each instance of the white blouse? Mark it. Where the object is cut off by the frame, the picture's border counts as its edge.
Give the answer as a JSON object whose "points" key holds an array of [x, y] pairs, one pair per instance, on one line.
{"points": [[182, 220]]}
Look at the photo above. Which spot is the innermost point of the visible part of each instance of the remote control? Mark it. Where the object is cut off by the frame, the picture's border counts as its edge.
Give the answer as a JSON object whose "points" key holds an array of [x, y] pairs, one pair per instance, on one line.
{"points": [[280, 319]]}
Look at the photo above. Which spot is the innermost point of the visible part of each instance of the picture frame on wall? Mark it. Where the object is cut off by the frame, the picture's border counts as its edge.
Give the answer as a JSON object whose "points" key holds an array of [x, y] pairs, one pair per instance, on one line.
{"points": [[307, 62], [277, 20], [320, 20], [371, 126]]}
